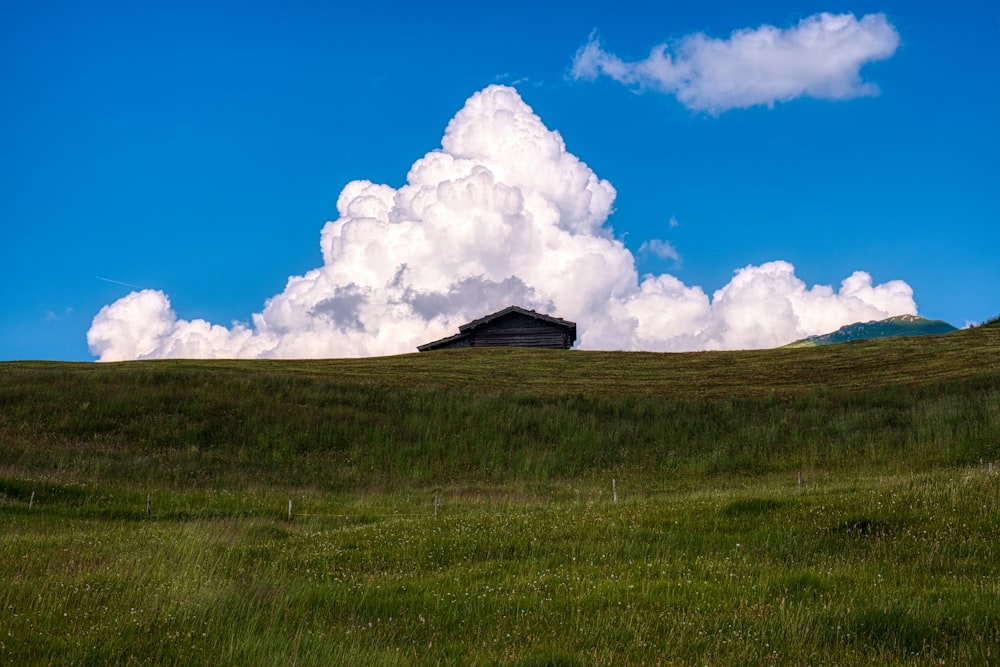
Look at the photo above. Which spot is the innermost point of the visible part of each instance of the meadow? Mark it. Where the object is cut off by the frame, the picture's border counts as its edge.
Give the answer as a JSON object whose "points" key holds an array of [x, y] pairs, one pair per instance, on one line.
{"points": [[834, 505]]}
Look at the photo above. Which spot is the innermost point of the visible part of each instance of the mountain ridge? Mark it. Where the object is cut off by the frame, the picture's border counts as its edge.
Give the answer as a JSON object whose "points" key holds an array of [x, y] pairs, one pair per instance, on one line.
{"points": [[897, 325]]}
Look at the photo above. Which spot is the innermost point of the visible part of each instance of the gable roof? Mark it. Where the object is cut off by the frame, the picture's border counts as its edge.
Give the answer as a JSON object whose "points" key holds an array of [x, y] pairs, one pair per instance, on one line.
{"points": [[474, 324], [468, 329]]}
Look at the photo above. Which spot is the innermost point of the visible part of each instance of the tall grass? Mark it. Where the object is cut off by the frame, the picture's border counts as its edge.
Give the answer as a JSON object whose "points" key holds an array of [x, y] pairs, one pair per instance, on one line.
{"points": [[712, 554], [178, 424], [896, 570]]}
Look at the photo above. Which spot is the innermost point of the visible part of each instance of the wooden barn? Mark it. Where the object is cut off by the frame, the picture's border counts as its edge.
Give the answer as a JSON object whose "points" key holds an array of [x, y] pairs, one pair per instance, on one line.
{"points": [[510, 327]]}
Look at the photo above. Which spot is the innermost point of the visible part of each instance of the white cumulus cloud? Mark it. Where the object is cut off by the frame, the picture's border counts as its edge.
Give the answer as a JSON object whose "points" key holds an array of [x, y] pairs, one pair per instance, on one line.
{"points": [[502, 214], [820, 57]]}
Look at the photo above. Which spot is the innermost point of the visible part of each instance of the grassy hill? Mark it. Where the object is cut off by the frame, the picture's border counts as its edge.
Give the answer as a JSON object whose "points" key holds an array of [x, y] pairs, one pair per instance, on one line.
{"points": [[502, 414], [788, 506]]}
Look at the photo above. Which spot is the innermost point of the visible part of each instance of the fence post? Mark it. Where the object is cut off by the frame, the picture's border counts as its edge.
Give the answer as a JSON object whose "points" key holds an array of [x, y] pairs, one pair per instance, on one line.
{"points": [[31, 501], [149, 503], [437, 504], [614, 492], [289, 509], [802, 484]]}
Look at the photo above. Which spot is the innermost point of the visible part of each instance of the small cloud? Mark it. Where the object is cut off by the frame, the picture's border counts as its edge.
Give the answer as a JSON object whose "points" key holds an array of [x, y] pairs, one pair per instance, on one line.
{"points": [[660, 248], [53, 316], [511, 80], [820, 57], [673, 221]]}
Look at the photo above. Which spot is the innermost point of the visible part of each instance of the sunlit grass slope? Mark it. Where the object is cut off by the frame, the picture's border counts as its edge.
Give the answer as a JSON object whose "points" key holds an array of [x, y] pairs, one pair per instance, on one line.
{"points": [[495, 415], [833, 505]]}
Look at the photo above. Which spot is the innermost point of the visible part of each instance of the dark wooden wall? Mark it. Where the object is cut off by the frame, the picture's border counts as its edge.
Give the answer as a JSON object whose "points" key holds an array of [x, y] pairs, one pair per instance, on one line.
{"points": [[517, 330]]}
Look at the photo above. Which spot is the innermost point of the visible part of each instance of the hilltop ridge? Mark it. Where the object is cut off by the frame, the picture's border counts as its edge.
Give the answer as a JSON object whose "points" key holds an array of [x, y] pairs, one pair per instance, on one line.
{"points": [[898, 325]]}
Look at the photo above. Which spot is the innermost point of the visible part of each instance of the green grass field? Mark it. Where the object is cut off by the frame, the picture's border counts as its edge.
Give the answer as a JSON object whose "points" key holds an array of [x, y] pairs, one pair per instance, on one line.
{"points": [[502, 506]]}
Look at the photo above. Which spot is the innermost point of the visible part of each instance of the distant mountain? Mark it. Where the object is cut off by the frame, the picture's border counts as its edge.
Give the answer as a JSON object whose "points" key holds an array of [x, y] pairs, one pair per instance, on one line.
{"points": [[900, 325]]}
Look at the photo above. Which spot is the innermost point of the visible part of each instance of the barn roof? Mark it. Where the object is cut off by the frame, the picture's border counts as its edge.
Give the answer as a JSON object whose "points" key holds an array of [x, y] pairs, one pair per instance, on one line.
{"points": [[515, 309], [466, 330], [444, 342]]}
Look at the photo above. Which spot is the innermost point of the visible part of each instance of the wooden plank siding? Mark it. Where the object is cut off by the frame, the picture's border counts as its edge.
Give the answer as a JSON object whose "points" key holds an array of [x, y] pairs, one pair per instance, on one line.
{"points": [[510, 327], [517, 330]]}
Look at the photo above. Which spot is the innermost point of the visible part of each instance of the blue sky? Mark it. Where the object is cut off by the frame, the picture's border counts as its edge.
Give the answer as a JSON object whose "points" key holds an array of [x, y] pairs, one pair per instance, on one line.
{"points": [[198, 150]]}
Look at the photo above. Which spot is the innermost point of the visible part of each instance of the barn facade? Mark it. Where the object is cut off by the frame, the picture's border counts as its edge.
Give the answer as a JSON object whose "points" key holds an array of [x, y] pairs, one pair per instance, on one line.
{"points": [[510, 327]]}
